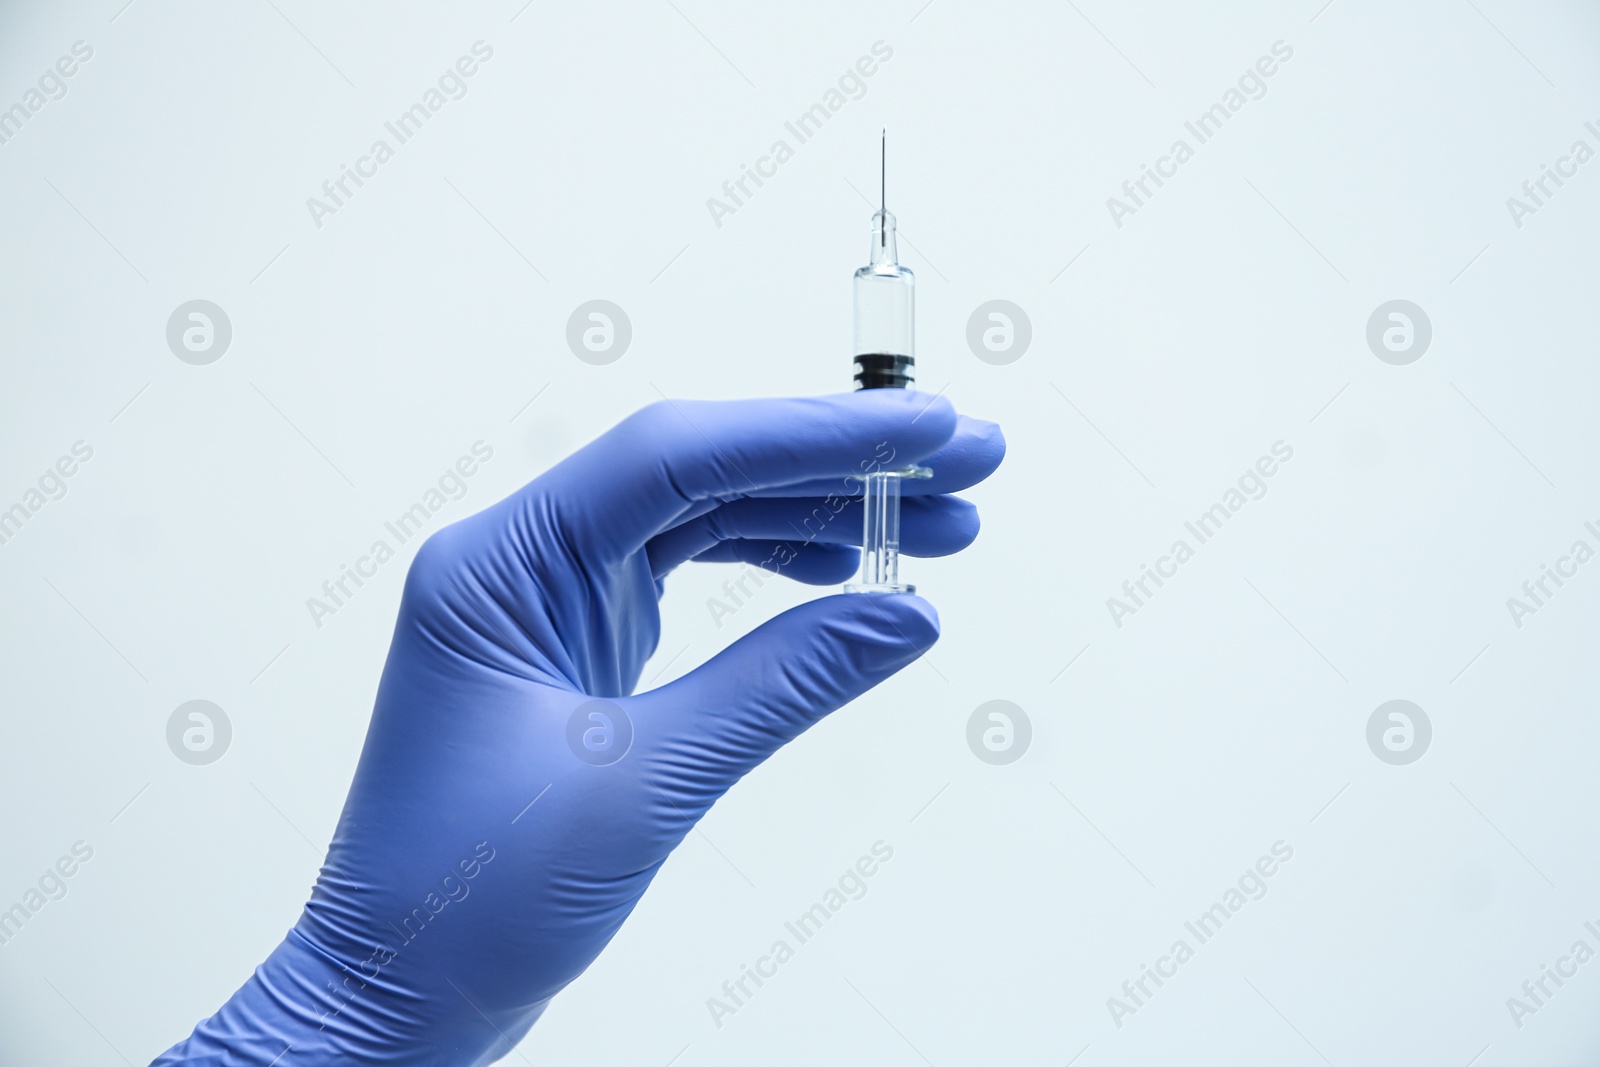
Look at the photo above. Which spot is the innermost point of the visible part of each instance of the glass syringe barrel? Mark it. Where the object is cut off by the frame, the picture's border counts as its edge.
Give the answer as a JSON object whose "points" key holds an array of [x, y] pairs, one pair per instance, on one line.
{"points": [[884, 331], [884, 346]]}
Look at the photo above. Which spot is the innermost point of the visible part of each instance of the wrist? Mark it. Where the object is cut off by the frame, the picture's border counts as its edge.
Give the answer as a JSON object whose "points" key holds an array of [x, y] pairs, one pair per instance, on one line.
{"points": [[304, 1008]]}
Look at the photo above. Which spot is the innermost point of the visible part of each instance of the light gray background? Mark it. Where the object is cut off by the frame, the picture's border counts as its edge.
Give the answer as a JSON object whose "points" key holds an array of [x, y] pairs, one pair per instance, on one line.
{"points": [[1167, 355]]}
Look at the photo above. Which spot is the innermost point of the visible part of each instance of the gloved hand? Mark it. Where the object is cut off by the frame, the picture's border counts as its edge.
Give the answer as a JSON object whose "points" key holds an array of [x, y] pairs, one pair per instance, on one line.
{"points": [[513, 800]]}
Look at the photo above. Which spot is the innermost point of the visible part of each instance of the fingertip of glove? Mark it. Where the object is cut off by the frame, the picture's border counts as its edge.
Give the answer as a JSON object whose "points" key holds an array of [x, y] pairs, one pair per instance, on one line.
{"points": [[997, 437], [987, 440], [966, 520], [920, 614], [898, 620]]}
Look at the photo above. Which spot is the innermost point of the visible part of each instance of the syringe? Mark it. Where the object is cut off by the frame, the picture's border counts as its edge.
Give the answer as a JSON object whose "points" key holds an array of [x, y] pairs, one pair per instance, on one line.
{"points": [[885, 358]]}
